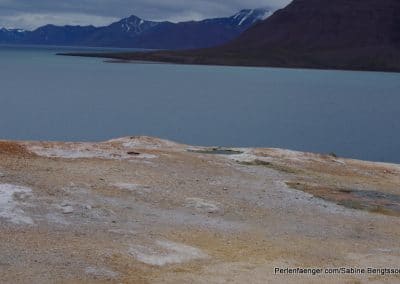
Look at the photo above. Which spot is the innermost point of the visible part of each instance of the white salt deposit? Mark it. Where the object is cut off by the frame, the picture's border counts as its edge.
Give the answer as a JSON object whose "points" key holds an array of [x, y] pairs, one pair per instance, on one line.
{"points": [[143, 142], [131, 187], [146, 156], [101, 272], [56, 218], [202, 205], [85, 151], [167, 253], [76, 152], [246, 156], [339, 161], [123, 232], [250, 155], [133, 144], [10, 207]]}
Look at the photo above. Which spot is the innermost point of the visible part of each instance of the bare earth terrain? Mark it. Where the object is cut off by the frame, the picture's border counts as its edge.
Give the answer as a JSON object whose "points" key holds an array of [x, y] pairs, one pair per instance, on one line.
{"points": [[144, 210]]}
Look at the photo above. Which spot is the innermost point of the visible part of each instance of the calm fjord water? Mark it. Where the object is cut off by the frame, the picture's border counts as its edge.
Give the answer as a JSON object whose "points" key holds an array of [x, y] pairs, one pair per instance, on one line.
{"points": [[48, 97]]}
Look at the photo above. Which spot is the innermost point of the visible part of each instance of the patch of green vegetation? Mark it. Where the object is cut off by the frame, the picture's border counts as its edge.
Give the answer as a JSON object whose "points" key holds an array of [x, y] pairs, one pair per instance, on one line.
{"points": [[353, 204], [332, 154], [345, 190], [371, 201], [384, 210]]}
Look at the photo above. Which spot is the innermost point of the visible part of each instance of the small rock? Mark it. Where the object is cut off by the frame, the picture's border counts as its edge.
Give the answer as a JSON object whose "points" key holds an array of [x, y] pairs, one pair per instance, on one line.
{"points": [[68, 209], [65, 204], [339, 162], [88, 207]]}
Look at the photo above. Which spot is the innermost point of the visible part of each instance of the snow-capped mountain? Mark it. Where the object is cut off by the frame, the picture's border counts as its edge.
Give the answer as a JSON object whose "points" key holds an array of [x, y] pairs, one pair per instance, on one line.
{"points": [[11, 35], [138, 33], [134, 25], [12, 30], [197, 34]]}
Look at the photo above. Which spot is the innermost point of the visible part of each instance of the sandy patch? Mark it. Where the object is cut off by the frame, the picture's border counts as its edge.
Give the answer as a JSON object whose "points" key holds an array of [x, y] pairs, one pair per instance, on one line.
{"points": [[13, 148], [202, 205], [165, 253]]}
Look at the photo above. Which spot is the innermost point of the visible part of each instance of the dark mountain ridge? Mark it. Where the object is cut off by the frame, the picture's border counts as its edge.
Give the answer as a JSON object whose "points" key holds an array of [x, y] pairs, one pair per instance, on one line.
{"points": [[134, 32], [334, 24], [328, 34], [11, 35], [57, 35]]}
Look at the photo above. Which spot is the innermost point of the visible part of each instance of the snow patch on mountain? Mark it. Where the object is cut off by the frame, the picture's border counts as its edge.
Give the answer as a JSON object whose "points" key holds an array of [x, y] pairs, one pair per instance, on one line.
{"points": [[252, 16], [136, 25]]}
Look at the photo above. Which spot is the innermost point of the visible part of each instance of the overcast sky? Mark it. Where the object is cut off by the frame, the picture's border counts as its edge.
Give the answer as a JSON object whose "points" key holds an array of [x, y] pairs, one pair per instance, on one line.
{"points": [[29, 14]]}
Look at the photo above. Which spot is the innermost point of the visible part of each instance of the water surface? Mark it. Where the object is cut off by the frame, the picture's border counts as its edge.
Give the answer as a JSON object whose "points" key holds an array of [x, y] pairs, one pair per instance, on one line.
{"points": [[48, 97]]}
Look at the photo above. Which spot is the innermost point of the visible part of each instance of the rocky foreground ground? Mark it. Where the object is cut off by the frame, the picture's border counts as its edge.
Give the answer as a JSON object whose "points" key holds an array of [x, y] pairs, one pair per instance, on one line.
{"points": [[144, 210]]}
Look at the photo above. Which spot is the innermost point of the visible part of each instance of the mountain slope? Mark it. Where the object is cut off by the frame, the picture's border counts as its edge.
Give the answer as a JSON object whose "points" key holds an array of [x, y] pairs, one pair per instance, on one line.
{"points": [[124, 33], [57, 35], [196, 34], [334, 34], [135, 32], [316, 24], [11, 35]]}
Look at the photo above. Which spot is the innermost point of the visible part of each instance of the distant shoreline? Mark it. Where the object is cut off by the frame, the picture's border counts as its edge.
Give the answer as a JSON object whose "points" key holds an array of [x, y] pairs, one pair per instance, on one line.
{"points": [[195, 57]]}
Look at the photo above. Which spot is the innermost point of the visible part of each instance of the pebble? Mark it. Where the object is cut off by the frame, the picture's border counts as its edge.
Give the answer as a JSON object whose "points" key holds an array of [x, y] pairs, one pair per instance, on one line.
{"points": [[68, 210], [65, 204]]}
